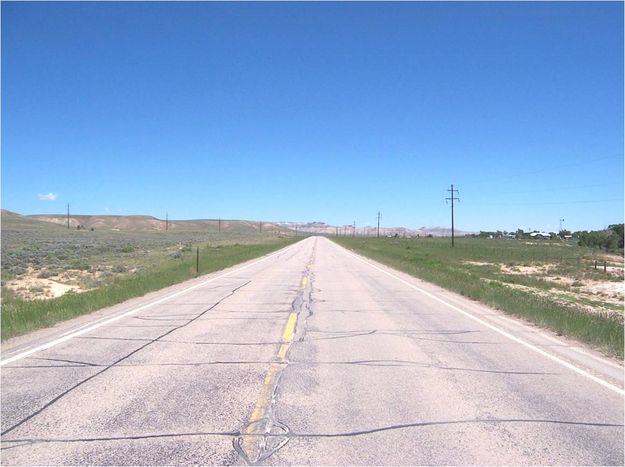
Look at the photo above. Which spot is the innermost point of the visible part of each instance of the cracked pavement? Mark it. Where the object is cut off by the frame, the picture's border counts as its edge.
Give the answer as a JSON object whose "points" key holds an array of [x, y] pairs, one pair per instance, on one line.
{"points": [[309, 356]]}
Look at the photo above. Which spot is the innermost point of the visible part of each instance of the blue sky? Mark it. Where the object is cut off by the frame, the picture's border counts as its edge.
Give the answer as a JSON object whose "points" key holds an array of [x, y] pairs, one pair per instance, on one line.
{"points": [[316, 111]]}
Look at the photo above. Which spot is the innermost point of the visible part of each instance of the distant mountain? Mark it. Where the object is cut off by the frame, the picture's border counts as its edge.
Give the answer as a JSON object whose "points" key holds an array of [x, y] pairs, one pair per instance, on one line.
{"points": [[326, 229]]}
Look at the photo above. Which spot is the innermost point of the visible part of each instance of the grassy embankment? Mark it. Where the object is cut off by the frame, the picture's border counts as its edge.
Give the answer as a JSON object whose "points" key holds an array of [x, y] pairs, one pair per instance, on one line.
{"points": [[21, 316], [545, 283]]}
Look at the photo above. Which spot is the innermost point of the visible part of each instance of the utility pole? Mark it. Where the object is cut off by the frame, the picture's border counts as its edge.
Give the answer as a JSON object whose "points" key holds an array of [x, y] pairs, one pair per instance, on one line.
{"points": [[67, 216], [452, 198], [296, 230], [354, 229], [166, 221], [336, 231], [561, 220], [379, 216], [219, 225], [260, 225]]}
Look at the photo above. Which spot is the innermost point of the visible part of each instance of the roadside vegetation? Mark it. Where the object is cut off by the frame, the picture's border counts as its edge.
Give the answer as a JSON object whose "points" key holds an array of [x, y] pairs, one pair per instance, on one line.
{"points": [[610, 239], [51, 274], [573, 290]]}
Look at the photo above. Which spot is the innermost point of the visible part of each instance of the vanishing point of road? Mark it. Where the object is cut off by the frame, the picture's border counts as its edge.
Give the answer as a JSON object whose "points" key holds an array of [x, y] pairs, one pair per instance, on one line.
{"points": [[311, 355]]}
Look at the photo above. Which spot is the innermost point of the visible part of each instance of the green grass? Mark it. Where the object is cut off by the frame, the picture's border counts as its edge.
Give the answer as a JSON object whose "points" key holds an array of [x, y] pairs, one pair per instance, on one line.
{"points": [[21, 316], [433, 260]]}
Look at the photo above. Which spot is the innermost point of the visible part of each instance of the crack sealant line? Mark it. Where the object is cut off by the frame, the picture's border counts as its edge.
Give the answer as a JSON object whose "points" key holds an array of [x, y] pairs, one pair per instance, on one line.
{"points": [[262, 409], [102, 322], [245, 443], [266, 393], [506, 334]]}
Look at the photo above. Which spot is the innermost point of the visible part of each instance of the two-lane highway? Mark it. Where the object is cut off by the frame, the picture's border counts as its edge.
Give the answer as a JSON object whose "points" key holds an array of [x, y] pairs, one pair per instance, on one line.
{"points": [[311, 355]]}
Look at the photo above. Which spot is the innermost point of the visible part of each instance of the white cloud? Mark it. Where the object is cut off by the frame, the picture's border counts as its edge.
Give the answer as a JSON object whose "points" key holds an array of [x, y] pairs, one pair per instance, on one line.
{"points": [[47, 197]]}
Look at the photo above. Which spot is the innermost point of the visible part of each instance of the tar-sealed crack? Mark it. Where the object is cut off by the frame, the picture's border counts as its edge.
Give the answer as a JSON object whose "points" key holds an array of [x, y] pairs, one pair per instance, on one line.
{"points": [[262, 437]]}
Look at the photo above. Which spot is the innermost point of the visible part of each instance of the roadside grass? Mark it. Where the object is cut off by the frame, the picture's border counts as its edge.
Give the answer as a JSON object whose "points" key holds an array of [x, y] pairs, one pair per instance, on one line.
{"points": [[22, 316], [524, 295]]}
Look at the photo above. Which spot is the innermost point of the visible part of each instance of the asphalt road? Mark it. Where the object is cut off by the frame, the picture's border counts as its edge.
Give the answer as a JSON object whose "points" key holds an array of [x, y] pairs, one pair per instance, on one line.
{"points": [[309, 356]]}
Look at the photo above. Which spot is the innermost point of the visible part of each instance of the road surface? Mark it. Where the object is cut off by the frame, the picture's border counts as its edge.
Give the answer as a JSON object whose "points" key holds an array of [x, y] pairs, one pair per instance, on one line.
{"points": [[312, 355]]}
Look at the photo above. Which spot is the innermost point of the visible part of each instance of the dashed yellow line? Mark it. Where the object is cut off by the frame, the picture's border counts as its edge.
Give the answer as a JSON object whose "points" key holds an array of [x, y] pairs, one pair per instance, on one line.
{"points": [[289, 329]]}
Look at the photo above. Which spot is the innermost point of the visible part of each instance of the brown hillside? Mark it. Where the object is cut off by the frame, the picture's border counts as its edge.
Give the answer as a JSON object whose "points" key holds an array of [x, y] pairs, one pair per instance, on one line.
{"points": [[137, 223]]}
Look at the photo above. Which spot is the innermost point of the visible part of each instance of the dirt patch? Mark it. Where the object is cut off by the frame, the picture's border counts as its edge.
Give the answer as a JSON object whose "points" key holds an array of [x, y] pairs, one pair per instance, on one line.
{"points": [[579, 299], [611, 289], [527, 270], [608, 292], [30, 287], [76, 277], [34, 288], [478, 263], [548, 272], [613, 258]]}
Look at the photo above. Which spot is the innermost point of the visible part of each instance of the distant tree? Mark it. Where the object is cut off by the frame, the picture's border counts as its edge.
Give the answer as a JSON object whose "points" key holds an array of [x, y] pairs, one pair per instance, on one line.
{"points": [[520, 233], [618, 231], [564, 233], [610, 239]]}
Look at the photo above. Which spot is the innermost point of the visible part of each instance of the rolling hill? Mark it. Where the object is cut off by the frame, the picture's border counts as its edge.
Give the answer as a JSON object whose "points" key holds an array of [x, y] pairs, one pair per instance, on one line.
{"points": [[136, 223]]}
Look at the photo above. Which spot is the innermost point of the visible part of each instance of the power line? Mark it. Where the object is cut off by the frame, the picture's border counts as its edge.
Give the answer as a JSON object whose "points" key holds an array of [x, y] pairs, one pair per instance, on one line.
{"points": [[589, 201], [452, 198], [546, 190]]}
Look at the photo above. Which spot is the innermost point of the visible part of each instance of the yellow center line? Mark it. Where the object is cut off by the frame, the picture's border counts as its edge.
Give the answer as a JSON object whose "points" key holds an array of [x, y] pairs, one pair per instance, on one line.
{"points": [[287, 336], [289, 329], [266, 392], [264, 396]]}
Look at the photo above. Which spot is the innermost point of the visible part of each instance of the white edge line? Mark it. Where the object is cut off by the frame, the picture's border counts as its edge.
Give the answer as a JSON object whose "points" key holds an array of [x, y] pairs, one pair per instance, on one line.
{"points": [[101, 322], [575, 349], [543, 334], [494, 328]]}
